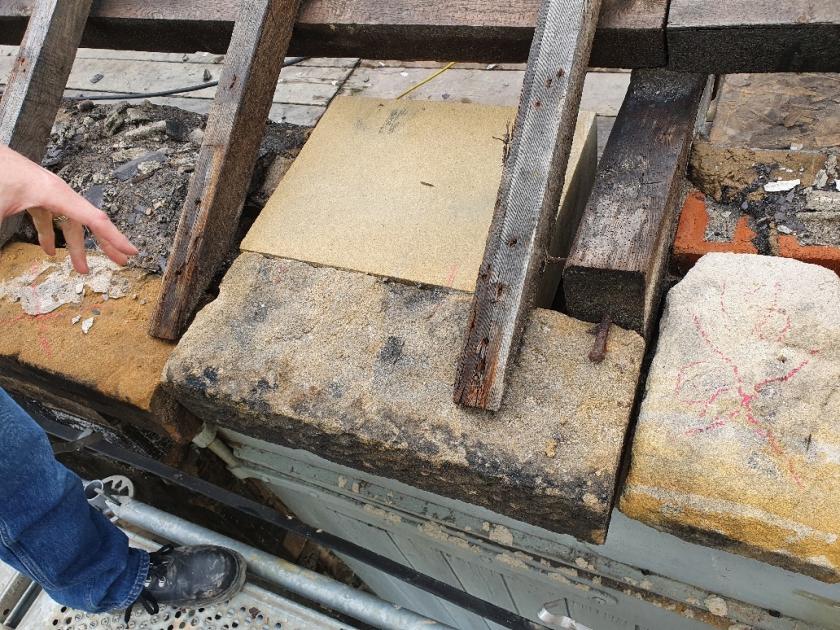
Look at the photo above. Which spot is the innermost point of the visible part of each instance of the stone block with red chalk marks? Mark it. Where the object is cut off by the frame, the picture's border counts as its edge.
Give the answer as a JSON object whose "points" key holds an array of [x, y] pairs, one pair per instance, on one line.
{"points": [[738, 444]]}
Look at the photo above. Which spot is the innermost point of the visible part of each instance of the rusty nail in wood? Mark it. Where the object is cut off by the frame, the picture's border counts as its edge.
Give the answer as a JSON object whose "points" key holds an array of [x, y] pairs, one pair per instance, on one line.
{"points": [[599, 348]]}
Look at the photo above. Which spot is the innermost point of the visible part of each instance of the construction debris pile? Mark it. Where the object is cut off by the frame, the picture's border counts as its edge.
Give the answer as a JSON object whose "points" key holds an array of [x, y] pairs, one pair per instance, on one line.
{"points": [[134, 161]]}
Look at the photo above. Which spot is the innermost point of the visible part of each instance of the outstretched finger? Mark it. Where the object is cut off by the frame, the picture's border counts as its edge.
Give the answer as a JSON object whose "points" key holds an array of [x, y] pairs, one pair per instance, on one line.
{"points": [[113, 253], [60, 199], [74, 236], [107, 232], [43, 220]]}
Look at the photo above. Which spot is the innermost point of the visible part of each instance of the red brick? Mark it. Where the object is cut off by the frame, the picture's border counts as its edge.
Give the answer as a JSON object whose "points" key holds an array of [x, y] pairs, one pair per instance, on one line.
{"points": [[690, 243], [828, 257]]}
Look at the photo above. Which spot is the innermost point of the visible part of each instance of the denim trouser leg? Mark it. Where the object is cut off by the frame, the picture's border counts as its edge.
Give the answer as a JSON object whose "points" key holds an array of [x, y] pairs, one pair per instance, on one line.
{"points": [[49, 532]]}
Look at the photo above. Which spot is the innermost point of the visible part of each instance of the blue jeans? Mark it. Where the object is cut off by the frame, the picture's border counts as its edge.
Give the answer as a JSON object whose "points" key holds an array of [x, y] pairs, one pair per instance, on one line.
{"points": [[50, 533]]}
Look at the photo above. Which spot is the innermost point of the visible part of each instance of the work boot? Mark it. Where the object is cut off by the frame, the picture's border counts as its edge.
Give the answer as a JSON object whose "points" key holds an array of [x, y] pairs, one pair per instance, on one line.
{"points": [[190, 577]]}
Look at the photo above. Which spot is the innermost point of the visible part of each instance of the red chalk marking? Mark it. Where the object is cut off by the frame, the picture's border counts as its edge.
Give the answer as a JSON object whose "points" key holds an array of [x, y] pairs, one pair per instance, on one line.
{"points": [[739, 395]]}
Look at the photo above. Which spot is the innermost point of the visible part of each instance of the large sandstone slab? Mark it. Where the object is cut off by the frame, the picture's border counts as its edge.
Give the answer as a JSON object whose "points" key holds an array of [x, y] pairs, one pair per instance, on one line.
{"points": [[738, 438], [114, 368], [406, 189], [359, 370]]}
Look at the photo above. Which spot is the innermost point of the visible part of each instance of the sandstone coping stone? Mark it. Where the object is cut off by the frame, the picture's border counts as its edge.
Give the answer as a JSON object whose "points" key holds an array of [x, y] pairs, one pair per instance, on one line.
{"points": [[738, 443], [115, 368], [359, 369], [407, 189]]}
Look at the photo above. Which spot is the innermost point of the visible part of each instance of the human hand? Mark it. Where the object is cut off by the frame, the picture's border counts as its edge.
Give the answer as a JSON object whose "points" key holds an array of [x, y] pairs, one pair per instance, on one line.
{"points": [[25, 185]]}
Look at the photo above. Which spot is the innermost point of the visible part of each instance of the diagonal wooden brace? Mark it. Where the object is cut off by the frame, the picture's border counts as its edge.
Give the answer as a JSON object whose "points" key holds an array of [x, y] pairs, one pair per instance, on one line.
{"points": [[532, 181], [36, 85], [619, 257], [235, 128]]}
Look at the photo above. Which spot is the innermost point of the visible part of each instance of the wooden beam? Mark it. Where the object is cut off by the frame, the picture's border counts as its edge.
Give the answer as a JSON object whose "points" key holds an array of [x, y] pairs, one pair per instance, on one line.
{"points": [[618, 257], [532, 179], [630, 32], [703, 35], [225, 162], [36, 85], [754, 36]]}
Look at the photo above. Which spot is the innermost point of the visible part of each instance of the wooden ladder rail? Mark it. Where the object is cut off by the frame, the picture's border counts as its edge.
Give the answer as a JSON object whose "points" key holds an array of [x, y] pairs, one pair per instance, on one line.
{"points": [[532, 181], [219, 185], [36, 84]]}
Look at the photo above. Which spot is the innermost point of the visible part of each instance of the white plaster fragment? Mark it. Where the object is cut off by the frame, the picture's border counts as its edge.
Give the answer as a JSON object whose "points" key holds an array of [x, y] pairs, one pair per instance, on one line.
{"points": [[716, 605], [820, 179], [62, 285], [782, 186], [87, 325]]}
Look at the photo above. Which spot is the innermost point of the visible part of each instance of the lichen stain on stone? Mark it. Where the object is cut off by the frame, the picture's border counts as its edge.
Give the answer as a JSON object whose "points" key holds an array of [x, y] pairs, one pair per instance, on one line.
{"points": [[435, 531], [391, 350], [516, 560]]}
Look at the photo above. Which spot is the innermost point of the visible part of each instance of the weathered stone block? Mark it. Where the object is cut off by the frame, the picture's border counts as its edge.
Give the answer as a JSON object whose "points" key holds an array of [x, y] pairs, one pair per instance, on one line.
{"points": [[359, 370], [778, 111], [114, 368], [406, 189], [738, 442]]}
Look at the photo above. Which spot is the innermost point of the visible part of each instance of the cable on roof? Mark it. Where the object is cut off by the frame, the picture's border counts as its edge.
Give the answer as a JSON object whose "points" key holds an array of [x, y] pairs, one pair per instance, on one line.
{"points": [[292, 61]]}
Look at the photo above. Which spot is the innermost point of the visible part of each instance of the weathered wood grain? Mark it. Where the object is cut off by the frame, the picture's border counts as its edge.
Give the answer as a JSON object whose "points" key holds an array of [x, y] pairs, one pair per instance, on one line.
{"points": [[630, 32], [702, 35], [754, 36], [235, 127], [532, 180], [617, 259], [33, 94]]}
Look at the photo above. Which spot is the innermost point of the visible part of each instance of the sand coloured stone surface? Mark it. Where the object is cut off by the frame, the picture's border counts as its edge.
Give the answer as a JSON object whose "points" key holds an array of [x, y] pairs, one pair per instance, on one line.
{"points": [[359, 370], [738, 441], [402, 188], [116, 359], [778, 111]]}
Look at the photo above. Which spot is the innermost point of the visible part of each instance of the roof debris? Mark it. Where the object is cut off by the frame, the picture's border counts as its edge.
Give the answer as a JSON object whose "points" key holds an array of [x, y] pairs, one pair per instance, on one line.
{"points": [[782, 186], [51, 285], [87, 324]]}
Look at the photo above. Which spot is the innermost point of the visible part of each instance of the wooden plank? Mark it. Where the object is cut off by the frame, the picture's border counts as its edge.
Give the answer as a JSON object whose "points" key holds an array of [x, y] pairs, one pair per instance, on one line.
{"points": [[226, 159], [292, 113], [754, 36], [301, 86], [630, 32], [603, 92], [617, 261], [626, 28], [33, 94], [532, 179]]}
